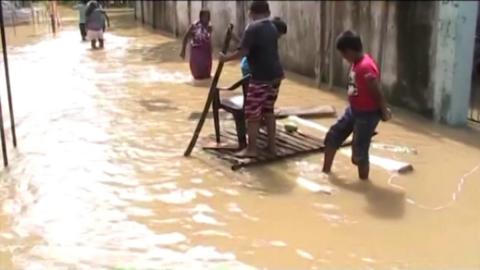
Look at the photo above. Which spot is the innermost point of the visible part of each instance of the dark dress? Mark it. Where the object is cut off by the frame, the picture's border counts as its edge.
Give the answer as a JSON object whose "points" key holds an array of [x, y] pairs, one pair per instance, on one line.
{"points": [[201, 52]]}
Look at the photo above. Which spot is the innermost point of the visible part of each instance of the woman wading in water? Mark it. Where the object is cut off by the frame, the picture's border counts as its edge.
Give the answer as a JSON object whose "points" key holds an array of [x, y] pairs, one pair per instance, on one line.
{"points": [[201, 47]]}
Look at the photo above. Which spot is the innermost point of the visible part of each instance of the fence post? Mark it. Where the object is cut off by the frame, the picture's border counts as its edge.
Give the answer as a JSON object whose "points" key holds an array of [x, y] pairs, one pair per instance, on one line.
{"points": [[154, 14], [134, 10], [332, 44], [383, 32], [142, 11]]}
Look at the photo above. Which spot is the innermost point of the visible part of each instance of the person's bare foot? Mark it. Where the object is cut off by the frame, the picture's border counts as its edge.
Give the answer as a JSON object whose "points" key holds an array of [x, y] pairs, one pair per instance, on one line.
{"points": [[246, 153]]}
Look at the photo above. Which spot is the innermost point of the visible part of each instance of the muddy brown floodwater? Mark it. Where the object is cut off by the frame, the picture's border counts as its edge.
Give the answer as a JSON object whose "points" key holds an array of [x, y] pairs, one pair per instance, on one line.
{"points": [[99, 181]]}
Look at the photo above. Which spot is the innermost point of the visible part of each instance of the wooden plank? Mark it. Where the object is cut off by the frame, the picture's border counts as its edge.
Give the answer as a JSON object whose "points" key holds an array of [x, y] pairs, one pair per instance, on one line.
{"points": [[299, 136], [289, 145], [286, 150], [385, 163], [288, 140], [307, 112], [280, 142]]}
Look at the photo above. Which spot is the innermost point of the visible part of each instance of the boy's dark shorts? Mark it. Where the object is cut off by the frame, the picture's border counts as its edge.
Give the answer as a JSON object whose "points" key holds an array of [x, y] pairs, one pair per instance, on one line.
{"points": [[363, 125]]}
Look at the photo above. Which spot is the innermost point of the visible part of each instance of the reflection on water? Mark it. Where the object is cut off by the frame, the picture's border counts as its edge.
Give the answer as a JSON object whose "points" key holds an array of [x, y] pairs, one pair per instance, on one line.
{"points": [[99, 180]]}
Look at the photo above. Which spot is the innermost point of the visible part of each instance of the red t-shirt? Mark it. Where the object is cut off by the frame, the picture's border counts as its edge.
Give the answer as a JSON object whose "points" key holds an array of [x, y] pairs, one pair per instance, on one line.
{"points": [[358, 93]]}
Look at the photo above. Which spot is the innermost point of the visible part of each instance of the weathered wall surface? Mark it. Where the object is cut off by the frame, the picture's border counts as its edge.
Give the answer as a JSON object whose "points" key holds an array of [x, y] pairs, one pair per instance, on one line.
{"points": [[298, 49], [183, 16], [399, 35]]}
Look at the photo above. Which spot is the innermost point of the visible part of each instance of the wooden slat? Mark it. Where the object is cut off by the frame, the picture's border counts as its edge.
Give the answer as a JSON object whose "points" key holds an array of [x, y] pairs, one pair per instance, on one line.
{"points": [[307, 142], [309, 112]]}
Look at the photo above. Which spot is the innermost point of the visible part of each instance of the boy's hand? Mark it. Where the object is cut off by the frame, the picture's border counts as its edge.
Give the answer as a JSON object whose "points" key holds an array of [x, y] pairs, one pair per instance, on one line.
{"points": [[222, 57], [386, 114], [182, 54]]}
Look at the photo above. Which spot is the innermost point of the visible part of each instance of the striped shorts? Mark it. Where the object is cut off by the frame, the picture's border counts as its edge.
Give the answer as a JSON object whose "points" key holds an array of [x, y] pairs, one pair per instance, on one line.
{"points": [[260, 99]]}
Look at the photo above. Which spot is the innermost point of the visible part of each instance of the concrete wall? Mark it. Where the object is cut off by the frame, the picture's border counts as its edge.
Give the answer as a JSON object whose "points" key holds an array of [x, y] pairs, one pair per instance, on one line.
{"points": [[400, 35], [454, 56]]}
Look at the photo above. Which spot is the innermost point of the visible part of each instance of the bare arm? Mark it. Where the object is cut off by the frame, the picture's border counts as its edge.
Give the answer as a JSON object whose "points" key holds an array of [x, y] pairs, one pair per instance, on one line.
{"points": [[235, 85], [186, 37], [238, 54], [108, 19], [245, 44], [374, 88]]}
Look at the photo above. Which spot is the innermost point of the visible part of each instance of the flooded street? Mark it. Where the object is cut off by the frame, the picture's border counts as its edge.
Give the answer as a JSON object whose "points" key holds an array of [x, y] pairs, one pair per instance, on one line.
{"points": [[99, 180]]}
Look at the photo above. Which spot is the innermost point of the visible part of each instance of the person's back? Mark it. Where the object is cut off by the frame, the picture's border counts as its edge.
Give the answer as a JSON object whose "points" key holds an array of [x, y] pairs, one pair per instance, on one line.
{"points": [[360, 97], [263, 59], [95, 24], [96, 20], [281, 27], [82, 8]]}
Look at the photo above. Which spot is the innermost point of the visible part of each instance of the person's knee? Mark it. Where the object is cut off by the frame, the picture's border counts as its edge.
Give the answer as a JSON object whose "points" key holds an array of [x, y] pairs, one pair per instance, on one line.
{"points": [[331, 139]]}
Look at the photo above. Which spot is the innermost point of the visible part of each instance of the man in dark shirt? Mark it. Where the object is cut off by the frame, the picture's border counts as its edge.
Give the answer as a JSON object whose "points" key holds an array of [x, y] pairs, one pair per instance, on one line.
{"points": [[259, 45]]}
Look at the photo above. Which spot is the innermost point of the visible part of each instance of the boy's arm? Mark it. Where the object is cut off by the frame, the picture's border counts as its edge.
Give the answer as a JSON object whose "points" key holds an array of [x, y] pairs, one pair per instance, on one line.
{"points": [[245, 45], [238, 54], [108, 19], [374, 88]]}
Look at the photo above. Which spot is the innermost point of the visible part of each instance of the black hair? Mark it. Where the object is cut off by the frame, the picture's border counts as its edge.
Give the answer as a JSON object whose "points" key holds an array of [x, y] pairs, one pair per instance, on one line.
{"points": [[84, 2], [280, 25], [204, 12], [349, 40], [259, 7], [92, 5]]}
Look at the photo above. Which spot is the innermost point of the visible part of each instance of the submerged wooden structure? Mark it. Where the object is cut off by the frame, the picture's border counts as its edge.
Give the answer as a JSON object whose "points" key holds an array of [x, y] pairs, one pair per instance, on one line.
{"points": [[288, 144]]}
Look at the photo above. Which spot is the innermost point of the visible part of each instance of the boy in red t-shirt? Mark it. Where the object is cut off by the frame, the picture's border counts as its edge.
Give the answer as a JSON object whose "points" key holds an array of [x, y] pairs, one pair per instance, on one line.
{"points": [[367, 106]]}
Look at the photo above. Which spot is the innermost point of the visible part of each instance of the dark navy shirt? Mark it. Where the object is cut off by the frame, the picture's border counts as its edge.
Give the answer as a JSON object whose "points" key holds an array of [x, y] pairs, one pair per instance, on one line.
{"points": [[260, 40]]}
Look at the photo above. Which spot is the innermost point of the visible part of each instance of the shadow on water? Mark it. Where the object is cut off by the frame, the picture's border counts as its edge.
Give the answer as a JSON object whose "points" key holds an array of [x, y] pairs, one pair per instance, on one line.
{"points": [[271, 181], [157, 105], [386, 203]]}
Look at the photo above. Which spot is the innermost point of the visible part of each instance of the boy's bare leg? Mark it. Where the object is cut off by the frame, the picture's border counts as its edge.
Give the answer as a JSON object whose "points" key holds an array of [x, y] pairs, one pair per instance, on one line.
{"points": [[94, 44], [328, 159], [101, 43], [271, 131], [252, 131], [363, 171]]}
